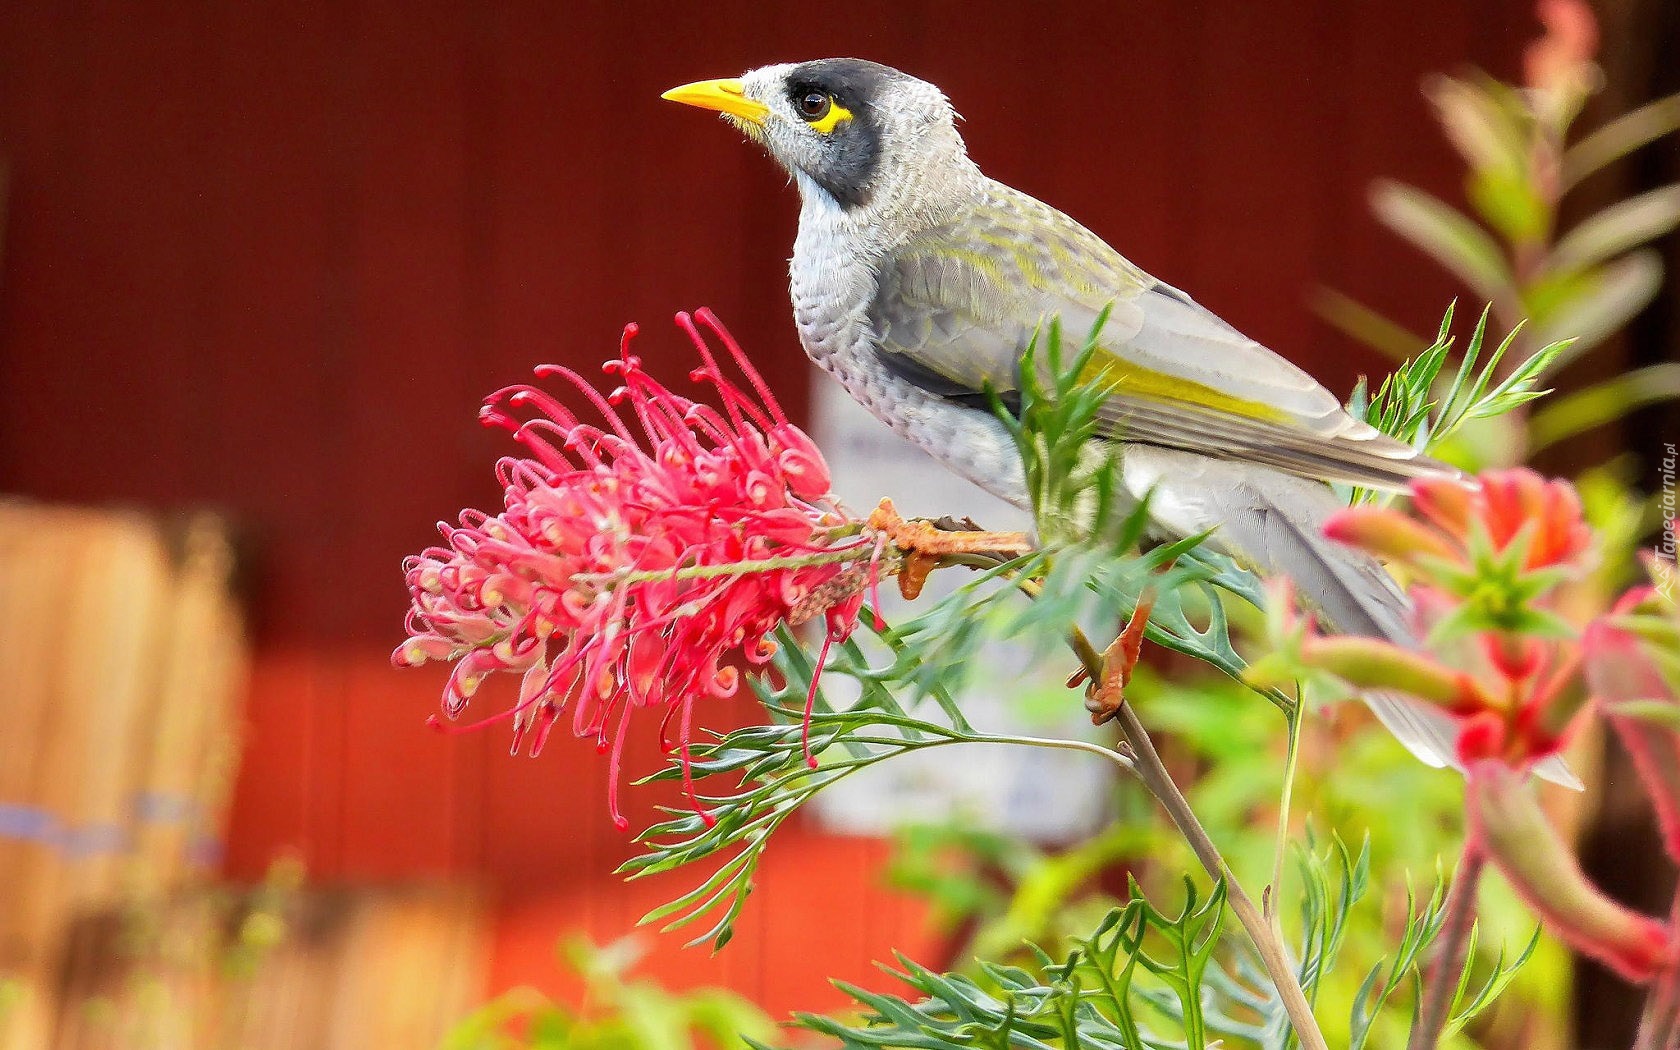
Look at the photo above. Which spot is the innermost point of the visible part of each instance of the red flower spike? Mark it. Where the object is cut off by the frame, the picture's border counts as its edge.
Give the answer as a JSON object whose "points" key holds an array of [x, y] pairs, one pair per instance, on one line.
{"points": [[1561, 60], [1520, 502], [1444, 503], [1389, 535], [1505, 507], [1625, 652], [1368, 663], [1506, 823], [1485, 562], [628, 571], [1481, 737], [1514, 656]]}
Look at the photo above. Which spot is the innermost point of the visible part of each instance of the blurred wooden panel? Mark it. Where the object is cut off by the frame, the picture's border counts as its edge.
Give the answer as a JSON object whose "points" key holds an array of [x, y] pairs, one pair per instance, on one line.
{"points": [[125, 655], [271, 968]]}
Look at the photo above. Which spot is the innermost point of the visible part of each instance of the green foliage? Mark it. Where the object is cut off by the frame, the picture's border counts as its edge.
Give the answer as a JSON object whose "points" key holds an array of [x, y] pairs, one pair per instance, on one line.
{"points": [[1010, 894], [1471, 999], [1418, 405], [775, 779], [621, 1014], [1348, 782], [1331, 883], [1446, 235], [1141, 973], [1620, 137], [1401, 969], [1585, 283], [1145, 979], [1070, 476], [1088, 532]]}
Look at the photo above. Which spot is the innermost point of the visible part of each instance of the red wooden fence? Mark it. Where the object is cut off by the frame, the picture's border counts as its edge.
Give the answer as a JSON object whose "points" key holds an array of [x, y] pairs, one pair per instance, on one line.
{"points": [[269, 256]]}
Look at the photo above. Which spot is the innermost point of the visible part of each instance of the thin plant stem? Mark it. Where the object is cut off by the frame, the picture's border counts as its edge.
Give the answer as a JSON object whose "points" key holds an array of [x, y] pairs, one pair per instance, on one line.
{"points": [[1267, 944], [1659, 1024], [1280, 844], [1066, 745], [733, 568], [1147, 766], [1457, 920]]}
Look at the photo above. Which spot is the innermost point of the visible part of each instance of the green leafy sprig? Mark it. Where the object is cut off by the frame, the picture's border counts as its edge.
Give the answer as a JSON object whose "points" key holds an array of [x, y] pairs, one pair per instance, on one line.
{"points": [[1147, 979], [1509, 248], [1096, 996], [774, 779], [1416, 404]]}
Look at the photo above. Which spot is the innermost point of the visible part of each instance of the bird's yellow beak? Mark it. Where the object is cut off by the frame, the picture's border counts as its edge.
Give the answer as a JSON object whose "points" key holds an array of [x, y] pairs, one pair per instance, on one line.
{"points": [[725, 96]]}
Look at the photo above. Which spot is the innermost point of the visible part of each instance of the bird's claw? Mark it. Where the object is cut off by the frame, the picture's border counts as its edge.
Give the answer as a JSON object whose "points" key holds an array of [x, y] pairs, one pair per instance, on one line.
{"points": [[1104, 696], [924, 543]]}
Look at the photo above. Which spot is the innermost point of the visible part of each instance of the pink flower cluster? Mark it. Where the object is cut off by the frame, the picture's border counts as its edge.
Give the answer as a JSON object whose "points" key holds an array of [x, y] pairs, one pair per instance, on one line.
{"points": [[628, 570]]}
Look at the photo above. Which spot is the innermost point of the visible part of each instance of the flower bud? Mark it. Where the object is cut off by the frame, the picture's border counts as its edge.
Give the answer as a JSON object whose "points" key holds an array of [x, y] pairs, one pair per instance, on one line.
{"points": [[1367, 663], [1388, 534]]}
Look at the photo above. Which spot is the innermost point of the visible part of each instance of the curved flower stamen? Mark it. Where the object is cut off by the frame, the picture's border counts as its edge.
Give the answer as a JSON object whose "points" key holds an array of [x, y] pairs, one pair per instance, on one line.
{"points": [[624, 573]]}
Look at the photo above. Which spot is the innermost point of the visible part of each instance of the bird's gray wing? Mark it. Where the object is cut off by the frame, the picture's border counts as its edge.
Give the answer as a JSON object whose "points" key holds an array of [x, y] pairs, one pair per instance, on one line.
{"points": [[957, 304]]}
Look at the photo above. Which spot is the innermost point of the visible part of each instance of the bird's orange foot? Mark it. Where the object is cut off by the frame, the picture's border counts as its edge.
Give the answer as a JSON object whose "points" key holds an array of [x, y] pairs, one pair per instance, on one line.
{"points": [[1104, 696], [924, 544]]}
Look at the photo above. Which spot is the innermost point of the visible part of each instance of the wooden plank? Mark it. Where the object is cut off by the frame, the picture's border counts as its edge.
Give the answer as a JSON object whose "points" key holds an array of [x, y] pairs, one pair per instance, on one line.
{"points": [[1385, 130], [545, 156], [1252, 228], [45, 69]]}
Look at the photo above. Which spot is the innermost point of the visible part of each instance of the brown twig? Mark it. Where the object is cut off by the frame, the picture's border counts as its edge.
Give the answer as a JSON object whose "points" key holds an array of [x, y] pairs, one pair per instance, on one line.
{"points": [[1147, 765], [1273, 955], [1459, 917]]}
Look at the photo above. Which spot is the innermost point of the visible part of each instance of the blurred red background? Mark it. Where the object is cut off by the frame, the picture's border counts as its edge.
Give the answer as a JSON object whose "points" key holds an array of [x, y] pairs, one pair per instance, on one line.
{"points": [[269, 257]]}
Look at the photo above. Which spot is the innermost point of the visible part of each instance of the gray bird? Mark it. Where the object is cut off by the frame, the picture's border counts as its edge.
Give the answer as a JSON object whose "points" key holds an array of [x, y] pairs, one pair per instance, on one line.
{"points": [[917, 282]]}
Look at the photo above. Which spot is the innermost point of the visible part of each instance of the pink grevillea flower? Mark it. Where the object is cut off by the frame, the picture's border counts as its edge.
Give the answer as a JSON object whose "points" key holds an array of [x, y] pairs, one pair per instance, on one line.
{"points": [[633, 570], [1633, 664]]}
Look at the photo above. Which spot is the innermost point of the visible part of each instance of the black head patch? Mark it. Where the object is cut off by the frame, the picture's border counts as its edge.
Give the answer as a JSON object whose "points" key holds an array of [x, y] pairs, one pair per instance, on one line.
{"points": [[853, 154]]}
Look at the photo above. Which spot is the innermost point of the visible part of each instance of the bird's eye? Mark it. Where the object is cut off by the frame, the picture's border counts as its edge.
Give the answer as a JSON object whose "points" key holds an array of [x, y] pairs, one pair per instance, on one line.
{"points": [[814, 105]]}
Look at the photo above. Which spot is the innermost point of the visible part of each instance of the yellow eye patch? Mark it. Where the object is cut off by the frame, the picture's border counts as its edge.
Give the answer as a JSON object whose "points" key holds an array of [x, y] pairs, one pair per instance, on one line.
{"points": [[832, 119]]}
